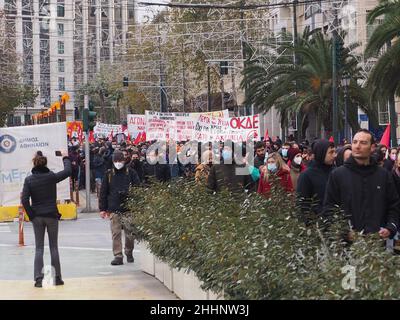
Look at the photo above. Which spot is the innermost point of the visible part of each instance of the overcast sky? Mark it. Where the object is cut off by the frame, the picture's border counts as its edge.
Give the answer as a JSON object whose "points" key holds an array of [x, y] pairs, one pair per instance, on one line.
{"points": [[143, 12]]}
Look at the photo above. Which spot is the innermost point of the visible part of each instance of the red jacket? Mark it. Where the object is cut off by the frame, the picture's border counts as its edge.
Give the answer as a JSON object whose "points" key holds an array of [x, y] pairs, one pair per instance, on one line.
{"points": [[264, 186]]}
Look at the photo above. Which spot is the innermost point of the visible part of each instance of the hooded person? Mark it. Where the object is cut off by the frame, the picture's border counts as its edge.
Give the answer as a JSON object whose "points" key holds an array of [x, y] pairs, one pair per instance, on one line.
{"points": [[312, 182], [295, 164], [113, 194], [343, 154]]}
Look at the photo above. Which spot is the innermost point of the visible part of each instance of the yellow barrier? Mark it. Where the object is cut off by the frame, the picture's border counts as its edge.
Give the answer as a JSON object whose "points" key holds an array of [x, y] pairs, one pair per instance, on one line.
{"points": [[68, 211]]}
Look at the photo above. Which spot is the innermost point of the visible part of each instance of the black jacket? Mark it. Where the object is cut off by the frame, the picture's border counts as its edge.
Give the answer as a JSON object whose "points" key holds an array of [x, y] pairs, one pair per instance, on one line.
{"points": [[225, 176], [41, 187], [367, 194], [138, 167], [396, 180], [312, 182], [115, 188], [162, 172]]}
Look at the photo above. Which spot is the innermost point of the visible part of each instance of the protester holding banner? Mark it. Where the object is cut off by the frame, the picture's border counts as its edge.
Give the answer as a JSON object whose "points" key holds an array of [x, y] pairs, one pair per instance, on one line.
{"points": [[41, 188]]}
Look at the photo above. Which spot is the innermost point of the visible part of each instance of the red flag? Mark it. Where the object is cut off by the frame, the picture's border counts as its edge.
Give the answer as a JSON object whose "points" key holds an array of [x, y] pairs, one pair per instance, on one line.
{"points": [[143, 139], [386, 137], [266, 135], [128, 138], [137, 140], [110, 137], [91, 137], [331, 139]]}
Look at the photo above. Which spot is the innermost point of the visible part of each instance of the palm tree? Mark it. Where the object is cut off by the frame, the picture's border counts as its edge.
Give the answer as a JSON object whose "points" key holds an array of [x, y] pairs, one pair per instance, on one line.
{"points": [[307, 86], [384, 80]]}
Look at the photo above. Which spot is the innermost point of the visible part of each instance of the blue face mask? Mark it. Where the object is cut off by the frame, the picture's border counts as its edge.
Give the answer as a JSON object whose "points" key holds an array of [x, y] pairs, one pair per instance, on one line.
{"points": [[284, 153], [272, 167], [226, 155]]}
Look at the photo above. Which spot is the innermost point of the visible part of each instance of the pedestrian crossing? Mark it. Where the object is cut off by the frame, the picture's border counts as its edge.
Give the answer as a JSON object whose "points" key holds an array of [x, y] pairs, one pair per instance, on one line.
{"points": [[4, 228]]}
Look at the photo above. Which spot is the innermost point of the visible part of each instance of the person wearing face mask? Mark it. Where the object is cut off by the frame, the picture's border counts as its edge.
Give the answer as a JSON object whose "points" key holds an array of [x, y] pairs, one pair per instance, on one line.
{"points": [[284, 152], [153, 168], [295, 164], [137, 165], [274, 172], [225, 175], [389, 163], [113, 194]]}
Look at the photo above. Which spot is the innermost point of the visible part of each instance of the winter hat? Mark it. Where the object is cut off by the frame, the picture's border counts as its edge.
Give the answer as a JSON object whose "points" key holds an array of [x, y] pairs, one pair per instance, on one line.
{"points": [[292, 152], [118, 156]]}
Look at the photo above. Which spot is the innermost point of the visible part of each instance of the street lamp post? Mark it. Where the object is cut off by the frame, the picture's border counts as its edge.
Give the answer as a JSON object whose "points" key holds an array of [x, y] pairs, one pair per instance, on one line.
{"points": [[345, 85]]}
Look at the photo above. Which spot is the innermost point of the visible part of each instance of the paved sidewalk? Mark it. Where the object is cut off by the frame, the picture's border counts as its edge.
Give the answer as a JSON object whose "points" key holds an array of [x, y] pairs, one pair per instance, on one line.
{"points": [[85, 253]]}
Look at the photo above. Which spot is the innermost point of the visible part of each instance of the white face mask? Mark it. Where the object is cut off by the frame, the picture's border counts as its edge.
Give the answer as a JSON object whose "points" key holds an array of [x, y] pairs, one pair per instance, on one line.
{"points": [[119, 165], [297, 160]]}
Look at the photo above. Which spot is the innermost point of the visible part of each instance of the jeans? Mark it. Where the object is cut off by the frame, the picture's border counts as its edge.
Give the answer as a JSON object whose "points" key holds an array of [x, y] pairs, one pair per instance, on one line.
{"points": [[39, 227]]}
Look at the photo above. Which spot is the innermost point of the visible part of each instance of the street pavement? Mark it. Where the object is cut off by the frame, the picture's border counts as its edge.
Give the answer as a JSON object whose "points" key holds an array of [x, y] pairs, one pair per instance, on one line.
{"points": [[85, 253]]}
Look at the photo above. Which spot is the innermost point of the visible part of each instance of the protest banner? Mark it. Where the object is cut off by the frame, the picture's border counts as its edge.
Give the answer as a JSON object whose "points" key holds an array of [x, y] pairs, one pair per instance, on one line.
{"points": [[136, 124], [18, 146], [104, 130], [75, 130]]}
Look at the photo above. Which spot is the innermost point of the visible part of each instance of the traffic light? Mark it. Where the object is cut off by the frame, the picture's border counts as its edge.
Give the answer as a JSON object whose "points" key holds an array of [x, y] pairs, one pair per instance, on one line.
{"points": [[126, 81], [339, 52], [89, 117], [76, 113], [223, 65]]}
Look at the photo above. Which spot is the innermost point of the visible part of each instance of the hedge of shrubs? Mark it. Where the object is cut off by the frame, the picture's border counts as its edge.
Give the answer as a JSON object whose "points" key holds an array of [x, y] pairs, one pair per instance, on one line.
{"points": [[256, 248]]}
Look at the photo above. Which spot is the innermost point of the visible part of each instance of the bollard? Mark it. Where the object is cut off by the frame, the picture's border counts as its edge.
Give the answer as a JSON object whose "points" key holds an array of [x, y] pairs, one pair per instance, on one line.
{"points": [[77, 193], [71, 190], [21, 217]]}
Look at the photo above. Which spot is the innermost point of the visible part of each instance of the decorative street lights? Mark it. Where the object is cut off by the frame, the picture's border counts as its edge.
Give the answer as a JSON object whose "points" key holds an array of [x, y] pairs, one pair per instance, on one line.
{"points": [[345, 86]]}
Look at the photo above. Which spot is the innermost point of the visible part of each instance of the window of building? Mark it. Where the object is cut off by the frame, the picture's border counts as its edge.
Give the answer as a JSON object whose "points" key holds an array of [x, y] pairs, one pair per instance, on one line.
{"points": [[60, 8], [60, 47], [61, 65], [383, 114], [61, 83], [60, 29]]}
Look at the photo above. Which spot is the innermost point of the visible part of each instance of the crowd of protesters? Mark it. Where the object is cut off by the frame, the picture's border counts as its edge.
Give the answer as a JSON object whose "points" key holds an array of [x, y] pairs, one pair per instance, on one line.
{"points": [[361, 178]]}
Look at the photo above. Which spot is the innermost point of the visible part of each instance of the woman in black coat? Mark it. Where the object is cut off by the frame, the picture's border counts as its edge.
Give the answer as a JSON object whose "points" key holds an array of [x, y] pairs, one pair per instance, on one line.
{"points": [[41, 188]]}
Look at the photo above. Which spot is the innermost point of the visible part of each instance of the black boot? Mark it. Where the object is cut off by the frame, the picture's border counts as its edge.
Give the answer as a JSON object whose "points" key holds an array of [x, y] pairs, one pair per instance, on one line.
{"points": [[117, 261], [38, 283], [129, 258], [59, 281]]}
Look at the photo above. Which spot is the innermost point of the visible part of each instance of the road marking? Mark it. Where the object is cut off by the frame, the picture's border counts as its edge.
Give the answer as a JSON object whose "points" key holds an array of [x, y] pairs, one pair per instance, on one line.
{"points": [[68, 248], [5, 228]]}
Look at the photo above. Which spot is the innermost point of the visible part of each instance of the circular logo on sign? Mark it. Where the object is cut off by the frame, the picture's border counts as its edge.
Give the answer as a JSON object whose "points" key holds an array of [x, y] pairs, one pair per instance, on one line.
{"points": [[7, 143]]}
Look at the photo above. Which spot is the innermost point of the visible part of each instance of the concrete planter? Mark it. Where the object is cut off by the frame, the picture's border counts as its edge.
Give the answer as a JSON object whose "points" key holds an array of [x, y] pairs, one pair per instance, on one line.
{"points": [[159, 269], [179, 282], [192, 289], [146, 260], [168, 277], [184, 284]]}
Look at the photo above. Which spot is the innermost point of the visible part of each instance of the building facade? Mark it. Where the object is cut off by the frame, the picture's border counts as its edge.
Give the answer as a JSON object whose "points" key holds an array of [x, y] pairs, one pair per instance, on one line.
{"points": [[49, 44]]}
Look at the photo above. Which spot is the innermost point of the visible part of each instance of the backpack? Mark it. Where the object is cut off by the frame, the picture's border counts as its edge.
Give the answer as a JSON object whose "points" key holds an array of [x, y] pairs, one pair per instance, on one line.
{"points": [[111, 173]]}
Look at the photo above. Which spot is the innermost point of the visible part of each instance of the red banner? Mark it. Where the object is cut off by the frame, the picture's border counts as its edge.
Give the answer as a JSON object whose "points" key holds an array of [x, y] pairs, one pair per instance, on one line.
{"points": [[75, 129]]}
